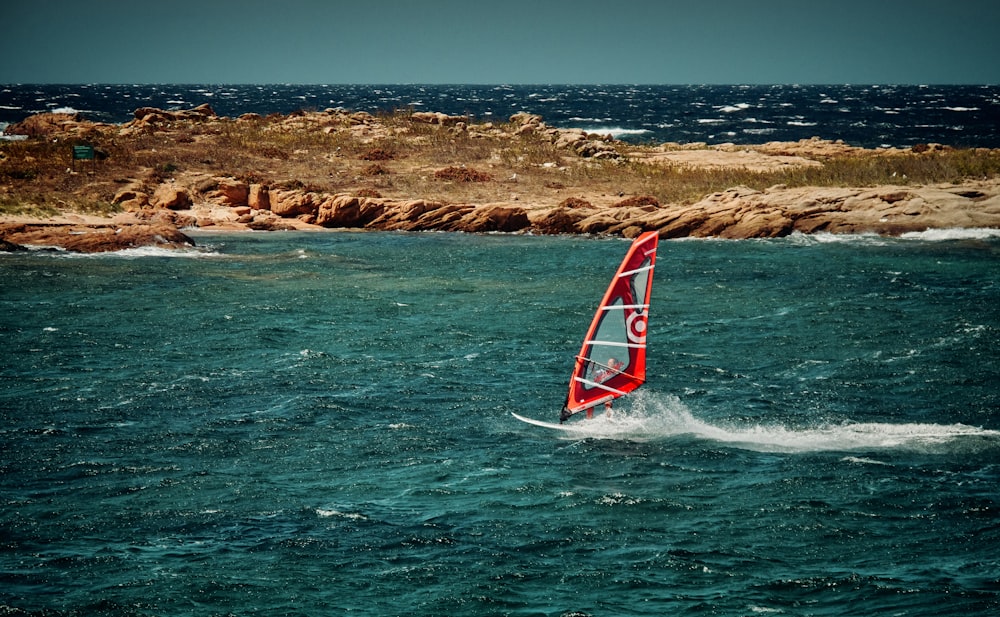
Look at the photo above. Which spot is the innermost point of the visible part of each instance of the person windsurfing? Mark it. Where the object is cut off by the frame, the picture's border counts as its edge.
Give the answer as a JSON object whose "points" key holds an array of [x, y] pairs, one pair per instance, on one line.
{"points": [[605, 373]]}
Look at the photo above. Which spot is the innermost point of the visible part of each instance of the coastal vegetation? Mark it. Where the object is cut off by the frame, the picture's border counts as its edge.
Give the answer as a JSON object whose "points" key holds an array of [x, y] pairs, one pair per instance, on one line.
{"points": [[394, 155]]}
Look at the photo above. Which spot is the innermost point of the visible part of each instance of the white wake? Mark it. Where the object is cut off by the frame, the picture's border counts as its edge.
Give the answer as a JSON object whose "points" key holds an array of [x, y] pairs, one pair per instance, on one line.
{"points": [[651, 416]]}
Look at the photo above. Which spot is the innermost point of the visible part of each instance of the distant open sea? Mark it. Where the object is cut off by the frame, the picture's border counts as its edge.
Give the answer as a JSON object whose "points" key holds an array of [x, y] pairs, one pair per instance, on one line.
{"points": [[301, 423], [869, 116]]}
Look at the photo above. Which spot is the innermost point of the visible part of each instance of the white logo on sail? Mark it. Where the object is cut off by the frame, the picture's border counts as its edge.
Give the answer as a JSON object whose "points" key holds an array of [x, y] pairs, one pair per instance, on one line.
{"points": [[636, 323]]}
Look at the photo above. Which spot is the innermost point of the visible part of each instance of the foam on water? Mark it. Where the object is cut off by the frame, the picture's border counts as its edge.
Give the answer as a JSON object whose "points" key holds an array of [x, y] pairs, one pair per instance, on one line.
{"points": [[614, 131], [143, 252], [973, 233], [659, 417]]}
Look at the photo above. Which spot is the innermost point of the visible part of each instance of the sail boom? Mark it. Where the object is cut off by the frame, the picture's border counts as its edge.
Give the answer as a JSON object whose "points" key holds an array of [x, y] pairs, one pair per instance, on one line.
{"points": [[594, 384]]}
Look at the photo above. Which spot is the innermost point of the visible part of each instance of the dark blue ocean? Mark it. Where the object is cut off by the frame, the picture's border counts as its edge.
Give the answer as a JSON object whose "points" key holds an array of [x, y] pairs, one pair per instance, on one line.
{"points": [[869, 116], [319, 424]]}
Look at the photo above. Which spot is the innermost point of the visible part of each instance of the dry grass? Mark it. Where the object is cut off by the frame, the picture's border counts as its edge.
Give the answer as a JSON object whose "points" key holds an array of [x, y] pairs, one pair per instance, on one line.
{"points": [[397, 157]]}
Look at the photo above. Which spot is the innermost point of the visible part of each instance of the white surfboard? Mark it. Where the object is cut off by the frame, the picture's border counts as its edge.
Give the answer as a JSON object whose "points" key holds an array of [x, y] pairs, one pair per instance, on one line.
{"points": [[583, 426]]}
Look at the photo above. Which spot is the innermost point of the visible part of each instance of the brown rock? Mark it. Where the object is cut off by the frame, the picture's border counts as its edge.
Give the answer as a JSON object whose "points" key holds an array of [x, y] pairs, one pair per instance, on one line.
{"points": [[40, 125], [494, 218], [561, 220], [258, 198], [168, 218], [233, 192], [131, 199], [96, 239], [153, 115], [440, 217], [266, 221], [597, 223], [420, 215], [10, 247], [759, 224], [349, 211], [171, 196], [434, 117], [292, 203], [570, 138]]}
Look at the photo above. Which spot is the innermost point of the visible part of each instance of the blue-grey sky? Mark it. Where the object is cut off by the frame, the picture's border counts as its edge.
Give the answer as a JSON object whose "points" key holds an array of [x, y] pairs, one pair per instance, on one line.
{"points": [[509, 41]]}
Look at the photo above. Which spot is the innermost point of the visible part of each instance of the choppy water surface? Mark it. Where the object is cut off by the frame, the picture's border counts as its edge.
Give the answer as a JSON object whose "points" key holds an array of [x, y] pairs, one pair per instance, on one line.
{"points": [[296, 423], [862, 115]]}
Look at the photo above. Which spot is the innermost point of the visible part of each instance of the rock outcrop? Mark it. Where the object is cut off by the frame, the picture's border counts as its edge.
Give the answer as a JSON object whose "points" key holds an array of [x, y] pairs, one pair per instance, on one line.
{"points": [[171, 188], [94, 238], [43, 125], [739, 212]]}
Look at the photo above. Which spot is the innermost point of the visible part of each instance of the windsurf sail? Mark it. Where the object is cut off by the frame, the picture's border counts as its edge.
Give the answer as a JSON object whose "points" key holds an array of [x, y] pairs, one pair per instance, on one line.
{"points": [[612, 361]]}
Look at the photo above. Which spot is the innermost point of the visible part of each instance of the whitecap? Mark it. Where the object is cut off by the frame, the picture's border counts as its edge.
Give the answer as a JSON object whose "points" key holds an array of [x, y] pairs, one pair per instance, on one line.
{"points": [[824, 237], [972, 233], [338, 514], [861, 460], [145, 251], [613, 131]]}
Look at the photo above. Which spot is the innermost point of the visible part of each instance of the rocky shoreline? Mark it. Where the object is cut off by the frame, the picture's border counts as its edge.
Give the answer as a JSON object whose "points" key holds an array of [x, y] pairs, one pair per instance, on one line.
{"points": [[154, 204]]}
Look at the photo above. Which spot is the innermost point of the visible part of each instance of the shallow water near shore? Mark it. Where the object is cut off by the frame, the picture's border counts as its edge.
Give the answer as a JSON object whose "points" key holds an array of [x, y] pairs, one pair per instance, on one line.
{"points": [[305, 423]]}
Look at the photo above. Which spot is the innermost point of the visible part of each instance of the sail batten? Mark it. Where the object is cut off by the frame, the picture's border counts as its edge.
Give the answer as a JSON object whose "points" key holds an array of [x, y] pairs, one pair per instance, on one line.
{"points": [[612, 360], [617, 344], [631, 272], [619, 307]]}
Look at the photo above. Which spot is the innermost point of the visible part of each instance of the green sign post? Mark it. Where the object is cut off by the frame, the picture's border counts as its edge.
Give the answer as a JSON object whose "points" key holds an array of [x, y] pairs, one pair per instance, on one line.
{"points": [[82, 153]]}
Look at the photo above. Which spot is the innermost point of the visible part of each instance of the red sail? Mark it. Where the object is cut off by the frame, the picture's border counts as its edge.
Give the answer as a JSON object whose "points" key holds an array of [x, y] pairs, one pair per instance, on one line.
{"points": [[612, 361]]}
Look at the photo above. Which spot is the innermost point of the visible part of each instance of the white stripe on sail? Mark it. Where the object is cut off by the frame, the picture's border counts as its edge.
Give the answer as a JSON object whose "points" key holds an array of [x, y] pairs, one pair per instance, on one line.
{"points": [[612, 307], [617, 344], [636, 271]]}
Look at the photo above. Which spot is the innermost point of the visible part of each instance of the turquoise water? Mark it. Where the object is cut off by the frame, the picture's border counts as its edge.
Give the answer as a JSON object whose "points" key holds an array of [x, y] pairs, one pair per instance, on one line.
{"points": [[319, 423]]}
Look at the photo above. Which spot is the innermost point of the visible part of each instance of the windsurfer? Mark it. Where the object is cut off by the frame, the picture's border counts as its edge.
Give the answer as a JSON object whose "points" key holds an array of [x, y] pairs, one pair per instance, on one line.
{"points": [[607, 372]]}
